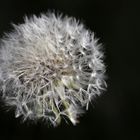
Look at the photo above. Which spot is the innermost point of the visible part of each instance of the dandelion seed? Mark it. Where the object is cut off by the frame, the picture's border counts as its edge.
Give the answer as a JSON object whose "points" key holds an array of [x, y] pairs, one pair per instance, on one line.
{"points": [[50, 67]]}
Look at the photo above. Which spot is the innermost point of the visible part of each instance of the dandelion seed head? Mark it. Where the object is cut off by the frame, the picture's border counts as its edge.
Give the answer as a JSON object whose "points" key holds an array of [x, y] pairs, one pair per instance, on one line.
{"points": [[50, 67]]}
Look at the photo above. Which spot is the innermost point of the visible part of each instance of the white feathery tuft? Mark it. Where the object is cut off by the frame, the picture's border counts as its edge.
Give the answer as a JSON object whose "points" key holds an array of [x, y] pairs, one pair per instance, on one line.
{"points": [[50, 67]]}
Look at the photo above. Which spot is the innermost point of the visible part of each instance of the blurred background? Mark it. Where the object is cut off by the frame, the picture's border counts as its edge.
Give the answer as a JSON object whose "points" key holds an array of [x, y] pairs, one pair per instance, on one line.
{"points": [[115, 115]]}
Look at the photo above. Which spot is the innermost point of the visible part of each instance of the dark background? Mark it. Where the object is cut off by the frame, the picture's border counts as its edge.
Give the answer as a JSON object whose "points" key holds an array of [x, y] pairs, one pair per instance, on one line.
{"points": [[116, 114]]}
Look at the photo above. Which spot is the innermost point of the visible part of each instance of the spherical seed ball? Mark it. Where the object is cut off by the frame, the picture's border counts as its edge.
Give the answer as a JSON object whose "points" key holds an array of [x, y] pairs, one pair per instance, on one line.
{"points": [[50, 67]]}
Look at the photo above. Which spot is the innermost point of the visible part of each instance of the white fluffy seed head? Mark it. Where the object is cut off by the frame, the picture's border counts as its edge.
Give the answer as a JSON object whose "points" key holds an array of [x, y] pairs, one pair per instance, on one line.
{"points": [[50, 67]]}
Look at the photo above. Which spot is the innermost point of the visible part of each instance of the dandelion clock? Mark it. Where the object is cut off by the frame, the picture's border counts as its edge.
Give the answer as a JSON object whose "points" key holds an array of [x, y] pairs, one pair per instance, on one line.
{"points": [[51, 68]]}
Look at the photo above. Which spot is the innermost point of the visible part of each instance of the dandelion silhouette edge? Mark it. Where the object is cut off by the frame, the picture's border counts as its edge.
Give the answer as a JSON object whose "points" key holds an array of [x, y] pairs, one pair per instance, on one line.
{"points": [[51, 67]]}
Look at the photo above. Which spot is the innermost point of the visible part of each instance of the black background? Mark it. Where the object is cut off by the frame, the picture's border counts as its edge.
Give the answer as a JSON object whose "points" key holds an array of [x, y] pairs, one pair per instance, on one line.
{"points": [[116, 114]]}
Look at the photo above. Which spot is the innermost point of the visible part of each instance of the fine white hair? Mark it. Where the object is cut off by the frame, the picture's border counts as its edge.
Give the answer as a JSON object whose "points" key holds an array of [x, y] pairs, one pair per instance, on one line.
{"points": [[51, 67]]}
